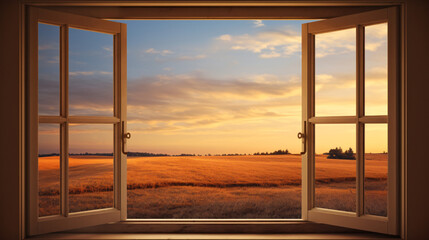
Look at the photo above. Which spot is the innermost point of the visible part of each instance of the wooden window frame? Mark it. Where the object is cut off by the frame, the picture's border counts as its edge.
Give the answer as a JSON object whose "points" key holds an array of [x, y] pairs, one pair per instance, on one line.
{"points": [[66, 220], [358, 219], [224, 10]]}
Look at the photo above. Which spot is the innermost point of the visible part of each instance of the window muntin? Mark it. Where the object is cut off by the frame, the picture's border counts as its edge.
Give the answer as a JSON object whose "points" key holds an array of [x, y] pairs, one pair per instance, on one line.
{"points": [[41, 221], [357, 219], [339, 102], [390, 107]]}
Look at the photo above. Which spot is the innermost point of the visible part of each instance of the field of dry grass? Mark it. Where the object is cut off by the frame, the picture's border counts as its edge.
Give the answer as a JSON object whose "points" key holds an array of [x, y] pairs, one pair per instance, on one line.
{"points": [[265, 186]]}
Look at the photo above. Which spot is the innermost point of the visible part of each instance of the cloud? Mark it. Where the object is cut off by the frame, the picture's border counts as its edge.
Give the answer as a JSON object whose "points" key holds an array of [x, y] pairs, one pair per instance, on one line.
{"points": [[376, 37], [167, 69], [267, 44], [160, 52], [53, 60], [225, 37], [285, 42], [79, 73], [109, 49], [270, 55], [258, 23], [181, 102], [338, 42], [344, 41], [49, 47], [166, 103], [89, 73], [196, 57]]}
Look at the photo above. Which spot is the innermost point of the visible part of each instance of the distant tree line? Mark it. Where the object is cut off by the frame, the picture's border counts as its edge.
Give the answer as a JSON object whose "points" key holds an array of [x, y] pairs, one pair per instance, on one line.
{"points": [[49, 154], [278, 152], [77, 154], [148, 154], [338, 153]]}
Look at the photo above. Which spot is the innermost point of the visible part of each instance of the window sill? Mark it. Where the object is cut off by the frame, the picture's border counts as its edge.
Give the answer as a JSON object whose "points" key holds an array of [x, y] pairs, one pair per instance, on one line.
{"points": [[84, 236]]}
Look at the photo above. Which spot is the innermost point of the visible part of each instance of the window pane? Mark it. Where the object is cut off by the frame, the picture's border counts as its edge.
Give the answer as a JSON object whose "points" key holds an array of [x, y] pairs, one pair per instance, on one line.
{"points": [[335, 73], [90, 167], [335, 167], [49, 169], [90, 73], [376, 69], [49, 69], [376, 169]]}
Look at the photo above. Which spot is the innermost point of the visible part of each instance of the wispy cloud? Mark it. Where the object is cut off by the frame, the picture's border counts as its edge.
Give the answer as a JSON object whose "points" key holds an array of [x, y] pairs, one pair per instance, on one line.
{"points": [[109, 49], [258, 23], [225, 37], [160, 52], [268, 44], [195, 57], [178, 102], [272, 54], [89, 73], [53, 60], [80, 73], [49, 47]]}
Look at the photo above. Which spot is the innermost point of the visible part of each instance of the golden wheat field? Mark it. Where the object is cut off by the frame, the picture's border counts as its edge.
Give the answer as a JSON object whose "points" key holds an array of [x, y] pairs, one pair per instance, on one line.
{"points": [[264, 186]]}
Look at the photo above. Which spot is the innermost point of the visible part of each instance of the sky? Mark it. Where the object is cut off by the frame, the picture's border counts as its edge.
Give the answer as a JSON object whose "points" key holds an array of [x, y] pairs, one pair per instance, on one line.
{"points": [[211, 86]]}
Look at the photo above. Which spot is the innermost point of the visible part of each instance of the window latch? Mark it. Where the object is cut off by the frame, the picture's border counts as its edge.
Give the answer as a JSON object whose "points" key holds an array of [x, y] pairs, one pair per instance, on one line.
{"points": [[303, 137], [125, 136]]}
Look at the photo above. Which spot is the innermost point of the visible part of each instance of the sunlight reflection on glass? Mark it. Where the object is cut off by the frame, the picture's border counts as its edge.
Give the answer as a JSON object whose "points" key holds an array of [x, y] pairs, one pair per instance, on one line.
{"points": [[335, 73]]}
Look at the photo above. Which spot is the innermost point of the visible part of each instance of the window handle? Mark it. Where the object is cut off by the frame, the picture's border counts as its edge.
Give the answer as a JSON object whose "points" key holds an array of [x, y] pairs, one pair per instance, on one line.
{"points": [[125, 136], [303, 137]]}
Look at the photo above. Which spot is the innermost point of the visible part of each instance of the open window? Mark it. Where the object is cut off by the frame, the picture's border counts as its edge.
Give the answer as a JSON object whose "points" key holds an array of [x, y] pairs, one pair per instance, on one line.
{"points": [[56, 116], [59, 126], [346, 104]]}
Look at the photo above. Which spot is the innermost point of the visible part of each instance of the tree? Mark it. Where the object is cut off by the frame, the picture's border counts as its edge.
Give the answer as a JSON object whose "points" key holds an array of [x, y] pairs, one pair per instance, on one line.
{"points": [[338, 153]]}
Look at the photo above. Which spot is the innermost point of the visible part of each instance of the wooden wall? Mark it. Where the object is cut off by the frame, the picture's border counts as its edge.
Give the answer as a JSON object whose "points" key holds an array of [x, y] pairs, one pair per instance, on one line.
{"points": [[9, 120], [417, 71]]}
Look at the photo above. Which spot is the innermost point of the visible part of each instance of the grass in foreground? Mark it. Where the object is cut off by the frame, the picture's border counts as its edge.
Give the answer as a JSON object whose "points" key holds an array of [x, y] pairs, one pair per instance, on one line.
{"points": [[212, 187]]}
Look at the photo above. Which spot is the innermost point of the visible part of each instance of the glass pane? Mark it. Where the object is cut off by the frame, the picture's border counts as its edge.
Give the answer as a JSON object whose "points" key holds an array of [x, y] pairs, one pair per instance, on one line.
{"points": [[335, 167], [49, 69], [90, 167], [376, 69], [376, 169], [335, 73], [90, 73], [49, 169]]}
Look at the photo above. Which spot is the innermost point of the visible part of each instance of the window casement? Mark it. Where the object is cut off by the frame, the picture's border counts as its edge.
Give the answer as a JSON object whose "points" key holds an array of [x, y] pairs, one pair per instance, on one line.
{"points": [[66, 220], [65, 217], [354, 217]]}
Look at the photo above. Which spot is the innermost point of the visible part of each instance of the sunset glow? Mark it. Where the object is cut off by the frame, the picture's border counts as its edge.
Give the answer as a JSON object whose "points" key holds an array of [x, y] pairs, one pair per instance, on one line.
{"points": [[219, 87]]}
